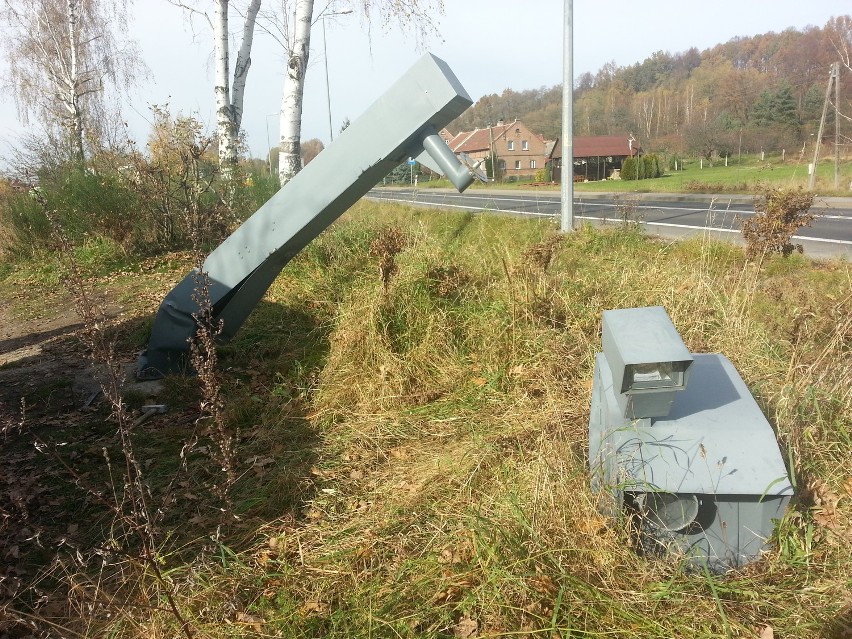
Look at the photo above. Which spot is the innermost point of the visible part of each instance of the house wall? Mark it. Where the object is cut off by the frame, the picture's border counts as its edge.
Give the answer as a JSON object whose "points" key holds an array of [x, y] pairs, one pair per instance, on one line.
{"points": [[520, 161]]}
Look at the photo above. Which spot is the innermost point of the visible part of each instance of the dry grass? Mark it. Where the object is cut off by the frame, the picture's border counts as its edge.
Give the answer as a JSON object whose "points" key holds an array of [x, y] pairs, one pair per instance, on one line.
{"points": [[428, 426]]}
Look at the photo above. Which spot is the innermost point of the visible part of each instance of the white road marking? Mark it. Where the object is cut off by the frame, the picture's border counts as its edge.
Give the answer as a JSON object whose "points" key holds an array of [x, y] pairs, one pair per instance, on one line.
{"points": [[590, 217]]}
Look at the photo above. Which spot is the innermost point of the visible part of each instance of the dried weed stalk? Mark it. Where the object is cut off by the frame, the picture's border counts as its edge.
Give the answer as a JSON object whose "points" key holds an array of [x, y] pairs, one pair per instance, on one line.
{"points": [[389, 243], [541, 255], [447, 282], [779, 213], [628, 210], [213, 420]]}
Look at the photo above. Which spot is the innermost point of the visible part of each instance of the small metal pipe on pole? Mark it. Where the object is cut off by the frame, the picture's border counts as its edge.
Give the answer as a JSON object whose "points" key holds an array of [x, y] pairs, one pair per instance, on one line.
{"points": [[567, 223]]}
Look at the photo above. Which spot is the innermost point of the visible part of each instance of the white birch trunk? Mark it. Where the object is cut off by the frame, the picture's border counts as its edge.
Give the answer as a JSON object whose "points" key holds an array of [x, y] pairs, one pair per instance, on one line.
{"points": [[289, 156], [76, 114], [241, 68], [225, 133]]}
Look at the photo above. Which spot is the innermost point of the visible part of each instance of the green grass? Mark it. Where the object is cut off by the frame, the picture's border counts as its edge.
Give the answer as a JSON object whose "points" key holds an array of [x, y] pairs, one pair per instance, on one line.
{"points": [[747, 175], [412, 457]]}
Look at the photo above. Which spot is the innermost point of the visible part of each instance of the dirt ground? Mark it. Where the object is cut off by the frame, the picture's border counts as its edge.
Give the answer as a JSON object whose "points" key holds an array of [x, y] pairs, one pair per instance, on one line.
{"points": [[50, 407]]}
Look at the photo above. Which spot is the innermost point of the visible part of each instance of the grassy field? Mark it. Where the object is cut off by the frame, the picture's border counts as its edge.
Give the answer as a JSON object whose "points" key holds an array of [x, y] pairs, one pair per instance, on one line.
{"points": [[744, 175], [411, 448]]}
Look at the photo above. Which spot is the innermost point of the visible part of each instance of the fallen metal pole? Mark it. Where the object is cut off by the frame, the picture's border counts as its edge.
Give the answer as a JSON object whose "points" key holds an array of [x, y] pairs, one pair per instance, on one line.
{"points": [[402, 123]]}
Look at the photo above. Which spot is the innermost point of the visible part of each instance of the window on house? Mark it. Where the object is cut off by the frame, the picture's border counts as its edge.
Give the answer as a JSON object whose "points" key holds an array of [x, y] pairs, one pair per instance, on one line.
{"points": [[532, 164], [525, 146], [502, 165], [511, 144], [517, 164]]}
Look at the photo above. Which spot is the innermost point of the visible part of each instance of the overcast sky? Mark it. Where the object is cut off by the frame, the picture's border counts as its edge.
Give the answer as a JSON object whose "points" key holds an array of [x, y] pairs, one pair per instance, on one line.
{"points": [[489, 44]]}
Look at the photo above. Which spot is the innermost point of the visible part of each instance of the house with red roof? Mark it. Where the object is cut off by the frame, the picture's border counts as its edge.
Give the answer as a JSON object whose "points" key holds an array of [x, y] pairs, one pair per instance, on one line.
{"points": [[520, 152], [596, 157]]}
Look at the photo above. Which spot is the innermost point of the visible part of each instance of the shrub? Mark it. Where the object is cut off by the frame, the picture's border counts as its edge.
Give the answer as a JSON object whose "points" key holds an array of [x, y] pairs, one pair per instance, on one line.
{"points": [[650, 166], [85, 204], [779, 213], [642, 168], [178, 183], [628, 169]]}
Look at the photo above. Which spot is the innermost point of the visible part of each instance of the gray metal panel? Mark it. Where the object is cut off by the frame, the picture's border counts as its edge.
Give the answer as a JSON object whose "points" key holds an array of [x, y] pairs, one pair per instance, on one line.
{"points": [[715, 440], [730, 531], [242, 268]]}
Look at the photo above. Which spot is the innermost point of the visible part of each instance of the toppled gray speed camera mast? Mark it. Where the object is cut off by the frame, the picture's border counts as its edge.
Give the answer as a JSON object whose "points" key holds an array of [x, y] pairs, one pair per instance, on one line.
{"points": [[677, 439], [402, 123]]}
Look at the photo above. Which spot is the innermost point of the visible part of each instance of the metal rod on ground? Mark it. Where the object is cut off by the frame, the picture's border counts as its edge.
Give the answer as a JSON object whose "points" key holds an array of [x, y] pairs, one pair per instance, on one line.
{"points": [[568, 120]]}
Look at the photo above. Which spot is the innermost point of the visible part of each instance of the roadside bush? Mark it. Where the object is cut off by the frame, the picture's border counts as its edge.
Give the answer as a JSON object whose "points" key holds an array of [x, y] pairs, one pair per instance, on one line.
{"points": [[628, 169], [642, 168], [23, 226], [95, 204], [651, 168], [86, 205], [178, 182], [779, 213], [255, 190]]}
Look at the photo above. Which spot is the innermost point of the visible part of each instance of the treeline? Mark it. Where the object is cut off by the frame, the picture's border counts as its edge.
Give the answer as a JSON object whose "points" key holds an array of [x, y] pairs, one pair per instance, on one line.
{"points": [[763, 92]]}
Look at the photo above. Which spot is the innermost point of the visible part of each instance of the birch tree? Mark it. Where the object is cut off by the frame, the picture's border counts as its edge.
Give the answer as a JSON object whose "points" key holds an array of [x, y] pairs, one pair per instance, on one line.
{"points": [[229, 99], [290, 23], [65, 55], [839, 32], [228, 89], [290, 152]]}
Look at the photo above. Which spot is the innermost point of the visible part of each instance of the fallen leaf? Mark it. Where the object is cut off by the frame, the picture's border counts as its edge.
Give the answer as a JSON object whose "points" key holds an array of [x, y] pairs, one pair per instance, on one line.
{"points": [[543, 584], [766, 633], [255, 622], [466, 628], [318, 607]]}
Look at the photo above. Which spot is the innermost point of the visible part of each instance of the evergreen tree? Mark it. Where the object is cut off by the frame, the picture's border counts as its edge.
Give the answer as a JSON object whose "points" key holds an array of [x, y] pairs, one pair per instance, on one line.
{"points": [[784, 107]]}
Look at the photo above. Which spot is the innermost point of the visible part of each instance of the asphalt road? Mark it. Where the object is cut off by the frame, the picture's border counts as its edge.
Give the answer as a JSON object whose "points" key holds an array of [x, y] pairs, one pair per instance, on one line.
{"points": [[662, 214]]}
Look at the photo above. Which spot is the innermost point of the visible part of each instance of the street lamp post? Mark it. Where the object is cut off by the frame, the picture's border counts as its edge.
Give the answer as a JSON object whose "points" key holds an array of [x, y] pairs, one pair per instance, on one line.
{"points": [[325, 60], [268, 142], [567, 218]]}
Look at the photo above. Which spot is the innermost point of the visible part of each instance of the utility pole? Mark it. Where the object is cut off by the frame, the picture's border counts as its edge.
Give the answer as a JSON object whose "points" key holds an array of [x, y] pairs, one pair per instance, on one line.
{"points": [[835, 67], [493, 155], [567, 222], [836, 125]]}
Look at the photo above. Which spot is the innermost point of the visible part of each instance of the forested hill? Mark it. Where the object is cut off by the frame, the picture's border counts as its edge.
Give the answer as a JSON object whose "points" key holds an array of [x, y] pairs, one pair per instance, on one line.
{"points": [[759, 92]]}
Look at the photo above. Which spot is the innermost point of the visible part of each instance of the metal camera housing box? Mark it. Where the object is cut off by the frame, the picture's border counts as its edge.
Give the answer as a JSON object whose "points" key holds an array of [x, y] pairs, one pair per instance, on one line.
{"points": [[706, 480], [647, 358]]}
